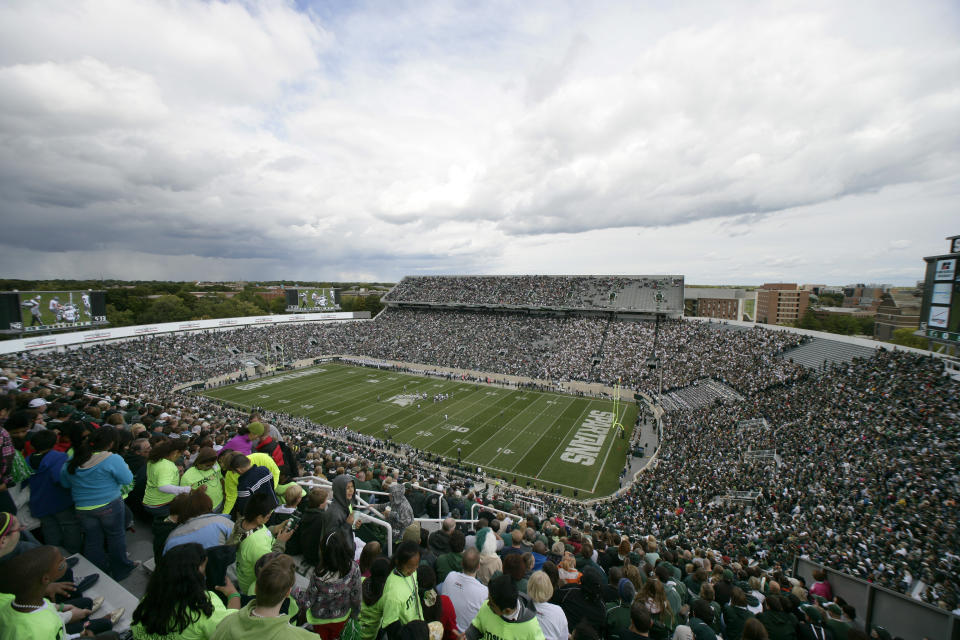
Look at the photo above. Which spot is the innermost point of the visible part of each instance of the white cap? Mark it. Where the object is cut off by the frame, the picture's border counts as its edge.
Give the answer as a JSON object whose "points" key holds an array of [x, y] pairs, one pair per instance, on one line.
{"points": [[36, 403], [439, 487]]}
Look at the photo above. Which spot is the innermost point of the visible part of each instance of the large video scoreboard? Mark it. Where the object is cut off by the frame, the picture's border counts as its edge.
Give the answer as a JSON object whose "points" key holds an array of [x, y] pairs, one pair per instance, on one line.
{"points": [[35, 311], [303, 299], [940, 311]]}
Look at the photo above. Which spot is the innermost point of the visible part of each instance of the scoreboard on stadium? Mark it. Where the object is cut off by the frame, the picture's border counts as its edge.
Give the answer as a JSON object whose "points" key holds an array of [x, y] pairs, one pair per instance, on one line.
{"points": [[303, 299], [940, 311], [24, 312]]}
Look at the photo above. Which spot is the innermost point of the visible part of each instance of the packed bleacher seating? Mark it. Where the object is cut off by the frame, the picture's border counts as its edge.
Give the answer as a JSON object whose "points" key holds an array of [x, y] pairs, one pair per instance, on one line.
{"points": [[867, 484], [567, 292], [548, 348]]}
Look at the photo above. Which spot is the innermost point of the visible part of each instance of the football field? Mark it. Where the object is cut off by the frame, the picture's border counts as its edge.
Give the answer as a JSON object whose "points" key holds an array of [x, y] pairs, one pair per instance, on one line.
{"points": [[548, 439]]}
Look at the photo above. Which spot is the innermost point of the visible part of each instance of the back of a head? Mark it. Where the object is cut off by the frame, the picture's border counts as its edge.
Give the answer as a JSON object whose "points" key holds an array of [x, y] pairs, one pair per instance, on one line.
{"points": [[640, 617], [471, 560], [23, 573], [702, 609], [753, 629], [239, 463], [457, 541], [259, 504], [514, 566], [503, 592], [275, 581], [426, 577], [539, 587], [317, 496], [43, 440], [337, 554]]}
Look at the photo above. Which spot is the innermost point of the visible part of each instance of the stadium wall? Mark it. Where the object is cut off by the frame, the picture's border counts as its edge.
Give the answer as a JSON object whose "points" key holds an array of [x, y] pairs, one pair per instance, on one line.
{"points": [[120, 333]]}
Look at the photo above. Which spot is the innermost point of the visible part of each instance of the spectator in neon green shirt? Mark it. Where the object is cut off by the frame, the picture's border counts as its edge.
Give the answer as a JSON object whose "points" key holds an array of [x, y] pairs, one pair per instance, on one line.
{"points": [[163, 478], [506, 615], [401, 599], [205, 472], [255, 539], [177, 603]]}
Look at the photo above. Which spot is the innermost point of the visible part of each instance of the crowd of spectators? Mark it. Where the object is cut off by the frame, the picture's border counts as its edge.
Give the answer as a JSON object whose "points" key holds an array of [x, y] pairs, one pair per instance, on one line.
{"points": [[576, 292], [558, 349], [865, 480]]}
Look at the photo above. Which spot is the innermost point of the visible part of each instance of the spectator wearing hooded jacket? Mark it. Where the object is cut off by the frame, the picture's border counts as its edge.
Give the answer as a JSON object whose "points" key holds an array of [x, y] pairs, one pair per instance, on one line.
{"points": [[401, 513], [49, 501], [339, 513]]}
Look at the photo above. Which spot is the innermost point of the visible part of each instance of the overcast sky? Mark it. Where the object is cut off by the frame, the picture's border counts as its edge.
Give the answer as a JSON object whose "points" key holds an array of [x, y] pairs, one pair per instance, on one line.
{"points": [[733, 142]]}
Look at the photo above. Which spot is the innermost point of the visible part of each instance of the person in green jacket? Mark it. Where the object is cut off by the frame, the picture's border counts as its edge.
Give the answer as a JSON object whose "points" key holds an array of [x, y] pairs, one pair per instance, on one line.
{"points": [[177, 603], [401, 601], [371, 593], [261, 618], [506, 615]]}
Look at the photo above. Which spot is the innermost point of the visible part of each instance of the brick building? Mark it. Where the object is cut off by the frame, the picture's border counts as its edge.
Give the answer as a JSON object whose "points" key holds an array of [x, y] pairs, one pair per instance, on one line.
{"points": [[710, 302], [897, 310], [781, 303]]}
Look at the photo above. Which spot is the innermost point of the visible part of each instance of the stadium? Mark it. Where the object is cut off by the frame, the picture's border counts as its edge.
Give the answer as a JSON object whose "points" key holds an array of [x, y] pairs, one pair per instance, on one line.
{"points": [[579, 408]]}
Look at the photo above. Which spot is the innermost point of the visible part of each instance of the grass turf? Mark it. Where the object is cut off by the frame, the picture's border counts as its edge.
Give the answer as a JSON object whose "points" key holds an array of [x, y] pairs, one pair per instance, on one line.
{"points": [[510, 433]]}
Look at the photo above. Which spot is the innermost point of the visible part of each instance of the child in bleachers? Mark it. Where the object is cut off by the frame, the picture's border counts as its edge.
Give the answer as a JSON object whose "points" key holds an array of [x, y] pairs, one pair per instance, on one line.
{"points": [[26, 613]]}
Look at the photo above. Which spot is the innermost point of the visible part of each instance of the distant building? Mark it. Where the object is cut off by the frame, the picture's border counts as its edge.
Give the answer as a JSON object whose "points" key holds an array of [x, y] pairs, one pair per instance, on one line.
{"points": [[781, 303], [864, 296], [899, 309], [710, 302]]}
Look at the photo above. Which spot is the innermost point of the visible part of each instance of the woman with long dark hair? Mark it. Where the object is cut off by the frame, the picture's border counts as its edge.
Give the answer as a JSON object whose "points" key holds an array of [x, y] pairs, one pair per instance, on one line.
{"points": [[95, 477], [371, 610], [177, 603], [163, 478], [334, 592], [436, 608]]}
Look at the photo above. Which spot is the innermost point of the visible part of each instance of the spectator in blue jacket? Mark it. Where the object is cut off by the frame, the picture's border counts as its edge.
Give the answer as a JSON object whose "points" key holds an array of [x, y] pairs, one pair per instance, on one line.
{"points": [[50, 502], [95, 477]]}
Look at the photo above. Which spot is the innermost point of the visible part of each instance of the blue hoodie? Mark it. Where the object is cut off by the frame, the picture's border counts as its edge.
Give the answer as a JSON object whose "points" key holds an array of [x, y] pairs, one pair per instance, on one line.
{"points": [[47, 497], [98, 480]]}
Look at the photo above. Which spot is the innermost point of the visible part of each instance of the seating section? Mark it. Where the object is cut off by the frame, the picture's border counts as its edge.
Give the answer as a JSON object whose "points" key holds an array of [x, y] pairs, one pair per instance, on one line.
{"points": [[818, 351], [610, 293]]}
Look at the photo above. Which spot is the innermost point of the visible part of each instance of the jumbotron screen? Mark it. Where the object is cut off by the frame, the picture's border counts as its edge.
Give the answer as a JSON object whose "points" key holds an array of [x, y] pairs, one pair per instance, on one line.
{"points": [[33, 311], [300, 300]]}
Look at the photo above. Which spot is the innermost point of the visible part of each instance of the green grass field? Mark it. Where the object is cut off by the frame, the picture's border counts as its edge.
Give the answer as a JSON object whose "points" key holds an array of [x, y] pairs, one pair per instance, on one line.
{"points": [[550, 439]]}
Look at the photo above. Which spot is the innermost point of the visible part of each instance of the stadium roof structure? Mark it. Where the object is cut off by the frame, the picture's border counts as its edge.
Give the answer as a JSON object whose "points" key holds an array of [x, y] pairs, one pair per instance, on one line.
{"points": [[634, 294]]}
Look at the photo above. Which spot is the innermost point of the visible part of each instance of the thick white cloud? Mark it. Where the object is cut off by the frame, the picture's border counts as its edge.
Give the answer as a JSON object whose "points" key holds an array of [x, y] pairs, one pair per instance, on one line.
{"points": [[265, 139]]}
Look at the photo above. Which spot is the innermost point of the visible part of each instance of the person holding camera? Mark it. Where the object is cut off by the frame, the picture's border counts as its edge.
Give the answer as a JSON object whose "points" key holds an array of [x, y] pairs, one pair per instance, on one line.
{"points": [[254, 539]]}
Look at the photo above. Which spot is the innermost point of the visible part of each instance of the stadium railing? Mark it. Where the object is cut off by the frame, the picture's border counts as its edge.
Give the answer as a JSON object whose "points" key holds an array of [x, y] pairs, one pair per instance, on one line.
{"points": [[898, 613], [309, 482]]}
